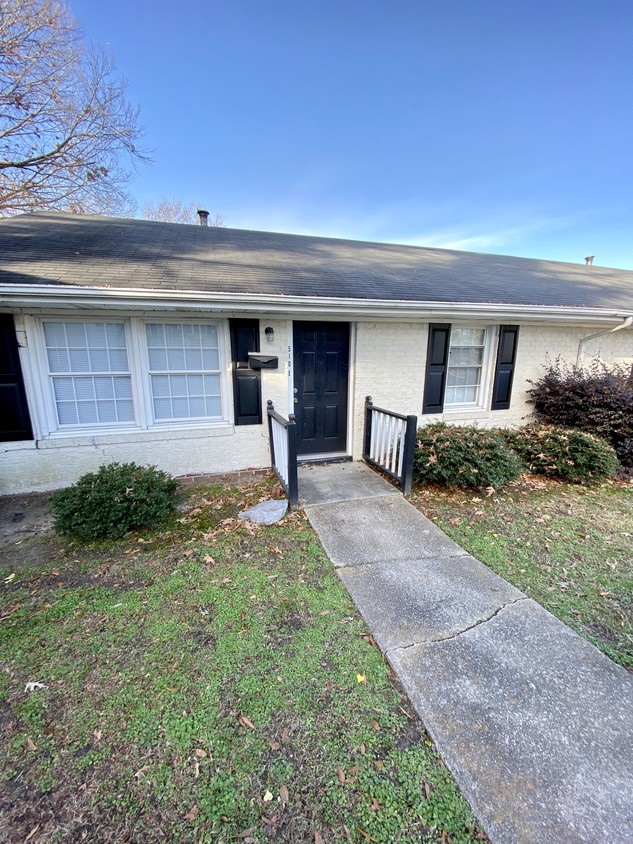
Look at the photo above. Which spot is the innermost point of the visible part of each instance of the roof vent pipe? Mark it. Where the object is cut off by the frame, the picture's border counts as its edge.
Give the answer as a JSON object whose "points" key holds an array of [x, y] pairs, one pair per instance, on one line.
{"points": [[588, 259], [203, 217]]}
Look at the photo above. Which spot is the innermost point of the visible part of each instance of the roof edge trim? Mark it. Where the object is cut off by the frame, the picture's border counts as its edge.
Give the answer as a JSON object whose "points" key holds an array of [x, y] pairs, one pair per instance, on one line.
{"points": [[60, 295]]}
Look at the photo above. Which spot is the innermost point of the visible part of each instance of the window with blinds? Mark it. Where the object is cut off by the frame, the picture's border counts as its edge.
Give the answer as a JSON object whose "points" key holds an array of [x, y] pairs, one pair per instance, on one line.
{"points": [[90, 374], [184, 371], [465, 363]]}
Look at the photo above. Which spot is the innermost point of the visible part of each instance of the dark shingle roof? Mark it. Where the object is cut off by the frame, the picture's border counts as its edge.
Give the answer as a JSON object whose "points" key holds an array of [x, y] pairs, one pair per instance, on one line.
{"points": [[54, 248]]}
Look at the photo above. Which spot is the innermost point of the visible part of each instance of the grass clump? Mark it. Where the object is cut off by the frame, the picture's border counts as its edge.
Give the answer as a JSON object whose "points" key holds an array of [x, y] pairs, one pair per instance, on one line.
{"points": [[569, 454], [208, 683], [117, 498], [463, 456]]}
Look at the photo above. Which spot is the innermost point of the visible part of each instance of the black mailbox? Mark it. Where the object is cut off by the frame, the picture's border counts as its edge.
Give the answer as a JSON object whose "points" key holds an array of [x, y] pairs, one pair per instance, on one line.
{"points": [[256, 360]]}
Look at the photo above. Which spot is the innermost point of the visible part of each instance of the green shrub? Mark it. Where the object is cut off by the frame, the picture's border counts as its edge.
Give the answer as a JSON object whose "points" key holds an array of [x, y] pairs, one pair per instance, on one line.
{"points": [[597, 399], [463, 456], [113, 500], [564, 453]]}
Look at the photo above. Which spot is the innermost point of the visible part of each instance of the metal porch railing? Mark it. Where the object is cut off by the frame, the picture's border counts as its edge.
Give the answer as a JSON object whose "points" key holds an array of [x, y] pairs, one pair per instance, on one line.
{"points": [[389, 443], [283, 452]]}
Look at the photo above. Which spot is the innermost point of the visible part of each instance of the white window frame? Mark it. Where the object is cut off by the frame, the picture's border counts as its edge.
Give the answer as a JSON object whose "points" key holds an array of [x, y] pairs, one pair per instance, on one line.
{"points": [[151, 421], [483, 397], [138, 362]]}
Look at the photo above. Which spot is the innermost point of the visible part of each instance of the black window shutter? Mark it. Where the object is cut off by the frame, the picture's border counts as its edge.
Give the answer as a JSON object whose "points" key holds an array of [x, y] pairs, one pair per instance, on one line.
{"points": [[15, 422], [247, 392], [504, 368], [436, 363]]}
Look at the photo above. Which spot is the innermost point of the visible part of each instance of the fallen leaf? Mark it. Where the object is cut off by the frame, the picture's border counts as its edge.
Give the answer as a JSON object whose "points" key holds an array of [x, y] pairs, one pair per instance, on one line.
{"points": [[208, 559], [317, 837], [31, 744], [246, 832], [244, 722], [200, 753], [97, 734], [196, 770], [362, 748], [366, 835], [283, 793], [9, 578], [141, 771], [268, 797], [360, 678], [31, 833], [340, 773], [274, 745], [375, 725], [427, 789], [285, 734], [375, 805], [193, 813], [378, 765]]}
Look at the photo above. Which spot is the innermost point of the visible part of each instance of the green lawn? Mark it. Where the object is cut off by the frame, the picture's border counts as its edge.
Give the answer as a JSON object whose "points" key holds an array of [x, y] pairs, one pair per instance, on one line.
{"points": [[568, 547], [210, 683]]}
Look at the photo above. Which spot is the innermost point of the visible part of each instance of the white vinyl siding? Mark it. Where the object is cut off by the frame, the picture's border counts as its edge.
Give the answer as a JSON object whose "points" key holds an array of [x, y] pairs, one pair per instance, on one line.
{"points": [[465, 366], [184, 371], [89, 371]]}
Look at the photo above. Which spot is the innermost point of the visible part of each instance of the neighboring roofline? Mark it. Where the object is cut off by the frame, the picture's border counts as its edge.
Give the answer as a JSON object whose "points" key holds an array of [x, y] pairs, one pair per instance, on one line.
{"points": [[60, 296]]}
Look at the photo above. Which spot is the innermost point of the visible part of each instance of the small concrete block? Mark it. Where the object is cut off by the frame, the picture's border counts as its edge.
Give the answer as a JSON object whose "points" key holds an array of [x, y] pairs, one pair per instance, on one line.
{"points": [[535, 723], [372, 530], [411, 601], [266, 512], [341, 482]]}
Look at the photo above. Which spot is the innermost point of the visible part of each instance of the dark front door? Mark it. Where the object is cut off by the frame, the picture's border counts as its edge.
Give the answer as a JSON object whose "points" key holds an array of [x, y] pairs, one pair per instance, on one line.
{"points": [[15, 423], [321, 360]]}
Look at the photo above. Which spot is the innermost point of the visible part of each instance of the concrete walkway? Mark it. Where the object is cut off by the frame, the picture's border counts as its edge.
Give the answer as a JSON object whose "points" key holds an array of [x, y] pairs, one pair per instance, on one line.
{"points": [[535, 723]]}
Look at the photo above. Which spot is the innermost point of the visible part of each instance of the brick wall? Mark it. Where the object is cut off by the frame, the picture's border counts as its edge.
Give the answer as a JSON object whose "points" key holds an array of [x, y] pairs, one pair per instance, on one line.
{"points": [[56, 462], [391, 359], [388, 364]]}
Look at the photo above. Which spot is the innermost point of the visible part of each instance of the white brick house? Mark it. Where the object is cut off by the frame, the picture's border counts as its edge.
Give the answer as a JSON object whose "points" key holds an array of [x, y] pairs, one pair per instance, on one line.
{"points": [[129, 340]]}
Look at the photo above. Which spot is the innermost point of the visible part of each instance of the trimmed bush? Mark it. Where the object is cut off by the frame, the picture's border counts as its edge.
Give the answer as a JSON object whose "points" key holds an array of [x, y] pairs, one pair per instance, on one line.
{"points": [[597, 399], [463, 456], [117, 498], [571, 454]]}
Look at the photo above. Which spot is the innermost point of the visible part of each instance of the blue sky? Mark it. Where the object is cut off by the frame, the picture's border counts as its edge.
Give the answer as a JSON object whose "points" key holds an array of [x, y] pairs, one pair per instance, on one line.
{"points": [[488, 125]]}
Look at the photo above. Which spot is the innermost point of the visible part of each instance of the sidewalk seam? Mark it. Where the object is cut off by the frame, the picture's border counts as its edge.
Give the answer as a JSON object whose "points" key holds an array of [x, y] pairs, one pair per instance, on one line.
{"points": [[459, 632], [350, 500]]}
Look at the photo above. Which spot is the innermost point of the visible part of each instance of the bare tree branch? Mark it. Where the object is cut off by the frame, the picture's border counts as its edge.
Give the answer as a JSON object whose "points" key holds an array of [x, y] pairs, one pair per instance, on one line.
{"points": [[66, 127], [174, 211]]}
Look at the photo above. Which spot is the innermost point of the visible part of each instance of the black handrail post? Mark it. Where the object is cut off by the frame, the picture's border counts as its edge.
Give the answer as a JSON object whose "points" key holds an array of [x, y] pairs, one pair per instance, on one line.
{"points": [[269, 407], [293, 478], [367, 441], [408, 454]]}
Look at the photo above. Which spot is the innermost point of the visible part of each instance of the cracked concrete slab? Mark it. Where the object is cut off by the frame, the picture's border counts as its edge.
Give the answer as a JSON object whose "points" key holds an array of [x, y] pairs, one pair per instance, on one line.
{"points": [[534, 722], [410, 601], [341, 482], [356, 533]]}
